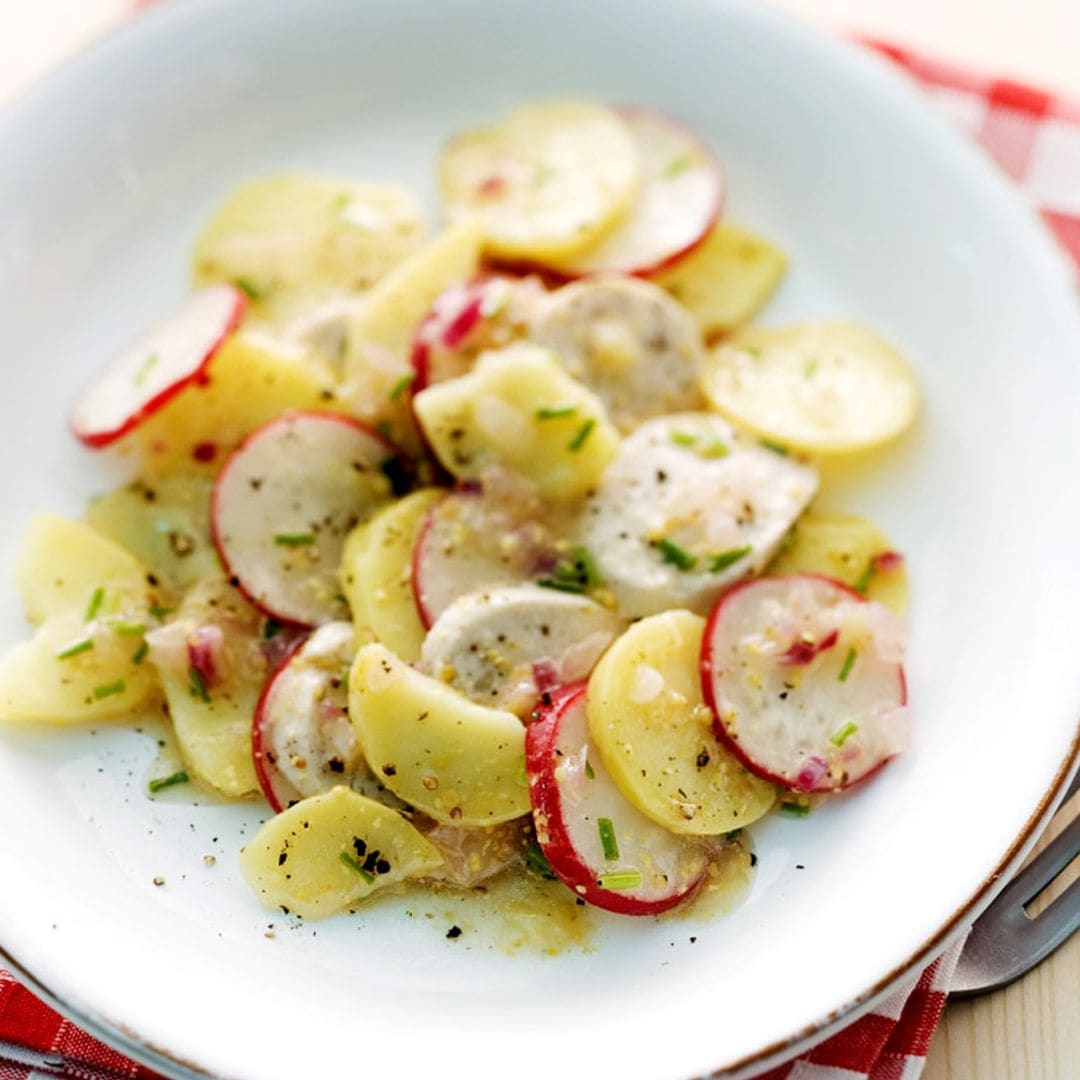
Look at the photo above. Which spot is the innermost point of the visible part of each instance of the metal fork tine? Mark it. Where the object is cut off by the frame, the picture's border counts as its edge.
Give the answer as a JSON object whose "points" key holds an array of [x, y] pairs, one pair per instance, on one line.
{"points": [[1074, 787], [1046, 866]]}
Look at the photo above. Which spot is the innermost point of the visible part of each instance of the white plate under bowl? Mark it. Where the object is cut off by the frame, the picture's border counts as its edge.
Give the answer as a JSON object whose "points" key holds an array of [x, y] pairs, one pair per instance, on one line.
{"points": [[108, 168]]}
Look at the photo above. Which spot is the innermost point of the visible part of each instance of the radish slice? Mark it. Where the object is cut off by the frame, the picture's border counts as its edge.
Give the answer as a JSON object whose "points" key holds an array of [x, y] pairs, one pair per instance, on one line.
{"points": [[148, 373], [466, 320], [497, 646], [473, 541], [284, 503], [600, 845], [804, 678], [679, 202], [629, 342]]}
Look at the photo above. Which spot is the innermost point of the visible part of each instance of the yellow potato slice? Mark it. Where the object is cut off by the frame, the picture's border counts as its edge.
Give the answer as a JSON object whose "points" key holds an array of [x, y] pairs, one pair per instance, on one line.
{"points": [[848, 548], [307, 234], [460, 763], [61, 564], [166, 523], [518, 408], [822, 387], [393, 309], [73, 671], [654, 731], [548, 181], [331, 851], [252, 379], [376, 573], [725, 281]]}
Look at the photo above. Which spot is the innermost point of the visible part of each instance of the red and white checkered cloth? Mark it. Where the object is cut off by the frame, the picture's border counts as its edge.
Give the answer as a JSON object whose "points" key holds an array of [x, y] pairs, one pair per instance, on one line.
{"points": [[1036, 139]]}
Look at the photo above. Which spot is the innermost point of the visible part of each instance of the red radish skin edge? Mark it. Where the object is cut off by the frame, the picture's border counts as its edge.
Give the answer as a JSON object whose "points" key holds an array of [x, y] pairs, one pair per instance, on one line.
{"points": [[705, 666], [265, 771], [234, 578], [417, 551], [98, 440], [540, 737]]}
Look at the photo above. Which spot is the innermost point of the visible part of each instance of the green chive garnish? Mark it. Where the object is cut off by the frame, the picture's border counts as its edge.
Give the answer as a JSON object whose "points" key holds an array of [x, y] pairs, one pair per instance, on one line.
{"points": [[73, 650], [849, 663], [726, 558], [249, 288], [160, 612], [561, 586], [96, 601], [865, 578], [678, 165], [180, 777], [578, 441], [715, 449], [607, 838], [555, 412], [844, 734], [810, 368], [198, 685], [294, 539], [620, 879], [139, 655], [109, 689], [402, 385], [589, 770], [128, 629], [353, 865], [148, 364], [775, 447], [579, 571], [537, 863], [674, 554], [271, 629], [683, 438], [794, 809]]}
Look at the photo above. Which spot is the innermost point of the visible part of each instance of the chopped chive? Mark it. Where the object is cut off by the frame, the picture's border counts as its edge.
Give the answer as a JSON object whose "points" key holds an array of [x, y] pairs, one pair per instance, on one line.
{"points": [[580, 569], [294, 539], [561, 586], [578, 441], [867, 576], [555, 412], [249, 288], [537, 863], [180, 777], [139, 655], [402, 385], [607, 838], [726, 558], [160, 612], [271, 629], [844, 734], [73, 650], [109, 689], [717, 448], [128, 629], [794, 809], [775, 447], [148, 364], [96, 601], [198, 685], [674, 554], [810, 368], [678, 165], [620, 879], [589, 770], [683, 438], [849, 663], [356, 868]]}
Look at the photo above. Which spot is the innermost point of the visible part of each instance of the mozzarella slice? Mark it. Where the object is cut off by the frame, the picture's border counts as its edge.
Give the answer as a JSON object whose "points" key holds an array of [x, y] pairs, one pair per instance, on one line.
{"points": [[689, 507]]}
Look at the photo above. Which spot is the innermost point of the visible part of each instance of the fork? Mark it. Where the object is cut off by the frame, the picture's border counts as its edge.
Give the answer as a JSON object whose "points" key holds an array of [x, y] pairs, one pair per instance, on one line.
{"points": [[1006, 942]]}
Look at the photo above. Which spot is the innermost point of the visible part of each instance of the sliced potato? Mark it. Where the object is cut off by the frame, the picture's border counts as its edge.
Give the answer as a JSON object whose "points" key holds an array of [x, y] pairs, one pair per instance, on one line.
{"points": [[654, 731], [850, 549], [307, 234], [331, 851], [548, 181], [393, 309], [518, 408], [251, 379], [61, 564], [165, 523], [212, 717], [72, 671], [376, 573], [726, 280], [461, 763], [822, 387]]}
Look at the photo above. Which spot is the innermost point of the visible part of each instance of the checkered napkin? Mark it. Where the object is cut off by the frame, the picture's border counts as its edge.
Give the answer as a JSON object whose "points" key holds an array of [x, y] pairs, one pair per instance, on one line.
{"points": [[1035, 138]]}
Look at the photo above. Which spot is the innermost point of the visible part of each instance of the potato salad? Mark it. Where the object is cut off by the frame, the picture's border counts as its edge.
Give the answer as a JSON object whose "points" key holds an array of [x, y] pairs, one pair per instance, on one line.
{"points": [[487, 552]]}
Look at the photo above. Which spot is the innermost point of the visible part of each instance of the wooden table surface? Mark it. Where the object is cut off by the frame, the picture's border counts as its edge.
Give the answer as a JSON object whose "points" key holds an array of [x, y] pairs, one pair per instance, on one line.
{"points": [[1031, 1030]]}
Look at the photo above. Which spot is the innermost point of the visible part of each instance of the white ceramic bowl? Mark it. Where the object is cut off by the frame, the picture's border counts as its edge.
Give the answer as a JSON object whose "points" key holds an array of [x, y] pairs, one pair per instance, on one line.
{"points": [[891, 219]]}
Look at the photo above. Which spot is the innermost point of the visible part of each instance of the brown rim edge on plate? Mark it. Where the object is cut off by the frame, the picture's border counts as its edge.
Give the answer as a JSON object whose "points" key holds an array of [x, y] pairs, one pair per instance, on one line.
{"points": [[122, 1038]]}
